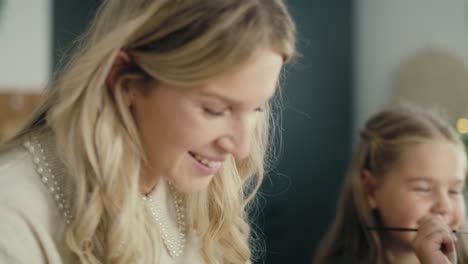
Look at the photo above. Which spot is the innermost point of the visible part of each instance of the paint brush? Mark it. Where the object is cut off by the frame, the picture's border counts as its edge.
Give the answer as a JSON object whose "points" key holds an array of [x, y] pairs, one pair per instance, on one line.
{"points": [[403, 229]]}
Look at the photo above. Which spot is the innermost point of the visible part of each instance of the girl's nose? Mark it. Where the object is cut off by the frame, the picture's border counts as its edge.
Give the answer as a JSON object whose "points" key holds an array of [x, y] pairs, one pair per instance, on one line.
{"points": [[442, 205]]}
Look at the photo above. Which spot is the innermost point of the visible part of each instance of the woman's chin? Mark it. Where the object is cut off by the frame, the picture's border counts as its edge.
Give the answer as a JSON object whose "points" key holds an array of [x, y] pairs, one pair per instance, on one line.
{"points": [[192, 185]]}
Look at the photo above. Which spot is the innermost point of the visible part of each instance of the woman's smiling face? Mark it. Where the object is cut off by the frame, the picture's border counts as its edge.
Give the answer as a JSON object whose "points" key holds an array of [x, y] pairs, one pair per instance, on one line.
{"points": [[187, 133]]}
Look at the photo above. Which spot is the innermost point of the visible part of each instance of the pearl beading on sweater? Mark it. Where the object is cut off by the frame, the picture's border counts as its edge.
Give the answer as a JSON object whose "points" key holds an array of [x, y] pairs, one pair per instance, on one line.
{"points": [[174, 244], [48, 178]]}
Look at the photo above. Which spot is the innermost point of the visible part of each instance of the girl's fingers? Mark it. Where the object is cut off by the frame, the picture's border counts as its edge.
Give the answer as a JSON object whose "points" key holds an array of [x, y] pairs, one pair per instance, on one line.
{"points": [[434, 242]]}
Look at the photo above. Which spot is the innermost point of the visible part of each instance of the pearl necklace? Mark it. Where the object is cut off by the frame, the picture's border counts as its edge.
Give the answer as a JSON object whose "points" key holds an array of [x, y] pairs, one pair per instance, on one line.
{"points": [[174, 243]]}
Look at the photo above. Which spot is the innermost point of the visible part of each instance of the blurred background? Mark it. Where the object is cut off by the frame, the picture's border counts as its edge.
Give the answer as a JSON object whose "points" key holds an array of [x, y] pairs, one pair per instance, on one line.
{"points": [[357, 57]]}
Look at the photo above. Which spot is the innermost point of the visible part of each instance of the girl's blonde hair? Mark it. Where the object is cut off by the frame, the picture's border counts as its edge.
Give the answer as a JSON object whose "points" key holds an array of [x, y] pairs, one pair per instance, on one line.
{"points": [[180, 42], [383, 140]]}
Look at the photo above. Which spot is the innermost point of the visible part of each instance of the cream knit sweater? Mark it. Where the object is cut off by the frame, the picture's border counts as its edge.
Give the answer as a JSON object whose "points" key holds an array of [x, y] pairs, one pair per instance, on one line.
{"points": [[32, 221]]}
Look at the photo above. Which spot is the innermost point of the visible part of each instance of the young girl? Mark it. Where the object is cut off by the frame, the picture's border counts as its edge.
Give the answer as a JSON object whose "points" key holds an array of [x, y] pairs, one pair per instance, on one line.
{"points": [[152, 141], [403, 195]]}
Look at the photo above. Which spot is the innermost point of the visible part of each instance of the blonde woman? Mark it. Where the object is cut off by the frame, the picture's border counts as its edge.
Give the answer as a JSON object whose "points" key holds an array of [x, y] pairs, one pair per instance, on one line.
{"points": [[152, 141], [403, 195]]}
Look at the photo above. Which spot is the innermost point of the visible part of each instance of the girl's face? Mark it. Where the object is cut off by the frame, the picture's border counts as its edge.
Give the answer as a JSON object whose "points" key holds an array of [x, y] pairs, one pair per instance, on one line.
{"points": [[428, 181], [187, 133]]}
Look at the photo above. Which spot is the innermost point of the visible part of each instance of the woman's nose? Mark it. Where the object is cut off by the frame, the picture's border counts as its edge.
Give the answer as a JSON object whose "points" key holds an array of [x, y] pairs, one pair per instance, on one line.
{"points": [[238, 139]]}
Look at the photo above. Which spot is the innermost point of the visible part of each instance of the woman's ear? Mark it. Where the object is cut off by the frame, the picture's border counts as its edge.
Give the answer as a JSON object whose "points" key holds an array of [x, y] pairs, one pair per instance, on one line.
{"points": [[369, 186], [121, 63]]}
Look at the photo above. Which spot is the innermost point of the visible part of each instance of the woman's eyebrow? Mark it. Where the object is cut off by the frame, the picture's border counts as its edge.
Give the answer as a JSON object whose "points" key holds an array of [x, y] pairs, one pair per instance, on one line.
{"points": [[220, 97]]}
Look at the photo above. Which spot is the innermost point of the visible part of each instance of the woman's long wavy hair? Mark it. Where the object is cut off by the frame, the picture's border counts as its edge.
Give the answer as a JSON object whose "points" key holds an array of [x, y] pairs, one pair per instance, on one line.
{"points": [[181, 42], [383, 140]]}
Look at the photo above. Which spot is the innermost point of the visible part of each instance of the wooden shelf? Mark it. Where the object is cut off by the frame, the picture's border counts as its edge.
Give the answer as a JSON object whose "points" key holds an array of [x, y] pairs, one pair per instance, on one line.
{"points": [[15, 108]]}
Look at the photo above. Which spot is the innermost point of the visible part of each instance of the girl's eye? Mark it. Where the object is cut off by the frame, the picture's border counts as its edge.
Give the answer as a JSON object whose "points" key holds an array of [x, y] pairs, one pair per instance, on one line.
{"points": [[422, 189], [259, 109], [455, 192], [214, 112]]}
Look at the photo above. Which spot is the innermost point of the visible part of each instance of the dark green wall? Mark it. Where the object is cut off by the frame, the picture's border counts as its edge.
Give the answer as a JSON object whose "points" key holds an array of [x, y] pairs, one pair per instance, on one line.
{"points": [[300, 197], [70, 19]]}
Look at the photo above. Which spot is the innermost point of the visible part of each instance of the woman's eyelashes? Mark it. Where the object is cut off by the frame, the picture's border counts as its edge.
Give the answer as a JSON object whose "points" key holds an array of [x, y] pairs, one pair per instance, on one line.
{"points": [[260, 109], [215, 111], [221, 111]]}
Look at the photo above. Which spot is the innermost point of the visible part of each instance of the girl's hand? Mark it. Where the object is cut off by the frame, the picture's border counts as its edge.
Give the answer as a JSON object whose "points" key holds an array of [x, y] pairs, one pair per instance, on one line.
{"points": [[435, 242]]}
